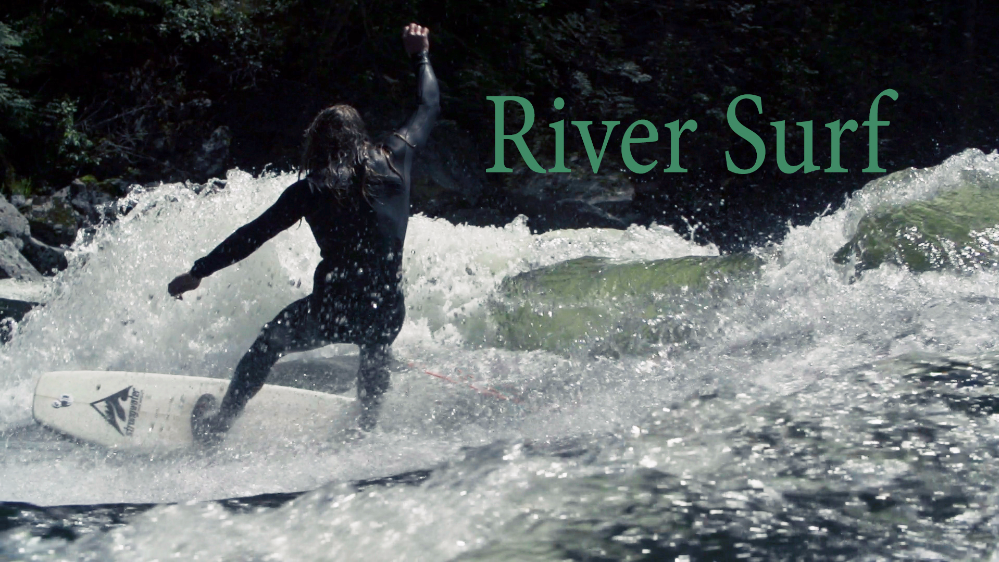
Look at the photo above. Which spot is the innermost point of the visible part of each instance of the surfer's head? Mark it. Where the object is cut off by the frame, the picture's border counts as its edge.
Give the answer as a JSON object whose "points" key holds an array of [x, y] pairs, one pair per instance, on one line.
{"points": [[334, 147]]}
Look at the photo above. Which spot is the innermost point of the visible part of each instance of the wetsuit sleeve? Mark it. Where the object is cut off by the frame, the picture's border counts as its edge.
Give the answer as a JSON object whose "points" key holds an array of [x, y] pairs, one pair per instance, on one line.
{"points": [[416, 131], [290, 207]]}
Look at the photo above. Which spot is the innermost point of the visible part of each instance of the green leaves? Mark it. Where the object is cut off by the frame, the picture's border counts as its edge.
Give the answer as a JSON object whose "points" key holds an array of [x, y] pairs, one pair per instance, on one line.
{"points": [[13, 105], [74, 148]]}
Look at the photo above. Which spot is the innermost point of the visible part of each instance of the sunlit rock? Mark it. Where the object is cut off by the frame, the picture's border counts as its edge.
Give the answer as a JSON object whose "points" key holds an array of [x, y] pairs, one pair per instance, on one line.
{"points": [[610, 307], [958, 229], [13, 265]]}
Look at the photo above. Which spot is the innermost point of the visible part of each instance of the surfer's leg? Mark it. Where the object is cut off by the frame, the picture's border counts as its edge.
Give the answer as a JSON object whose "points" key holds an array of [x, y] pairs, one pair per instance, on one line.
{"points": [[373, 377], [372, 381], [293, 329]]}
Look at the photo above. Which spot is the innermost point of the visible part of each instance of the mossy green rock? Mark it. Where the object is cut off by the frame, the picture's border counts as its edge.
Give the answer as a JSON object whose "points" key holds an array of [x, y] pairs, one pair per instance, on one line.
{"points": [[606, 307], [956, 230]]}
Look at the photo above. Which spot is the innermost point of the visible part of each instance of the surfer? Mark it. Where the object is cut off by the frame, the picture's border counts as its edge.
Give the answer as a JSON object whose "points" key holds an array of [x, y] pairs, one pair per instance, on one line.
{"points": [[355, 198]]}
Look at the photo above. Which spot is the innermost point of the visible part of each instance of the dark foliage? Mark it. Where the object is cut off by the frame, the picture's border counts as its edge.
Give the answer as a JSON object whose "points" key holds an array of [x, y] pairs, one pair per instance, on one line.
{"points": [[134, 89]]}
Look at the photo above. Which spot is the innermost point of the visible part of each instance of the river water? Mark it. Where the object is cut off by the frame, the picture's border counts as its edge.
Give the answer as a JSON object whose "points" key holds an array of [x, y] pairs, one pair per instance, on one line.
{"points": [[807, 412]]}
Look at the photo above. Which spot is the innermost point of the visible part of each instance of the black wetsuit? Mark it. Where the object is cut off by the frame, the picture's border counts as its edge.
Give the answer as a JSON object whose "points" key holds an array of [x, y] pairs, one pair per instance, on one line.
{"points": [[356, 296]]}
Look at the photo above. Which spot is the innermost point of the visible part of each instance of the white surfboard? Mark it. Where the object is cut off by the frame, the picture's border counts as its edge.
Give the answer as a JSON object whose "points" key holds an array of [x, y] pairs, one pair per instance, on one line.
{"points": [[152, 412]]}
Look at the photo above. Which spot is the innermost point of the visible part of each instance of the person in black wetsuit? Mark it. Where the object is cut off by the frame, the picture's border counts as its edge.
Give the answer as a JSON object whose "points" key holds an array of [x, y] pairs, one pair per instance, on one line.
{"points": [[355, 198]]}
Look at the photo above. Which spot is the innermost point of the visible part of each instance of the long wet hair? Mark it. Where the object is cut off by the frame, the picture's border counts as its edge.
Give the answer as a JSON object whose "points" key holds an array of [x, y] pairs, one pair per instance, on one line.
{"points": [[335, 149]]}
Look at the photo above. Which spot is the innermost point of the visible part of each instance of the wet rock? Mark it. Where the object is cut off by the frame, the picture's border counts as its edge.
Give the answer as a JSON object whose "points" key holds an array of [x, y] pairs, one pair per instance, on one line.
{"points": [[611, 308], [16, 299], [13, 265], [46, 259], [12, 223], [213, 185], [15, 229], [20, 202], [53, 220], [87, 199], [957, 230], [14, 309]]}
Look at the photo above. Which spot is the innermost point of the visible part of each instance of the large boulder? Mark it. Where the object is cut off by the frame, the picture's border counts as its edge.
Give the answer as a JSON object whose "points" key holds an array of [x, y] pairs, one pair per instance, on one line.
{"points": [[46, 259], [605, 307], [13, 265], [89, 200], [957, 230], [53, 219], [15, 229], [12, 223]]}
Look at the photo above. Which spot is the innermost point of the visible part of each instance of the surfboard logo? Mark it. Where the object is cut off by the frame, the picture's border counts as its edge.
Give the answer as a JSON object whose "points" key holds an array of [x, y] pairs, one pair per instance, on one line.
{"points": [[113, 409]]}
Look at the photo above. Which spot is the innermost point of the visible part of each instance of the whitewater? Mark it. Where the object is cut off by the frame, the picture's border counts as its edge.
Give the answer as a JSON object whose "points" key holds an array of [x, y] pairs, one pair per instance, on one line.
{"points": [[809, 410]]}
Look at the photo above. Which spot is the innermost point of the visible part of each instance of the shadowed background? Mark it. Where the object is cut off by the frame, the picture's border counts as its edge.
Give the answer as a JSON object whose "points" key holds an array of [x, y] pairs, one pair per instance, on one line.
{"points": [[132, 91]]}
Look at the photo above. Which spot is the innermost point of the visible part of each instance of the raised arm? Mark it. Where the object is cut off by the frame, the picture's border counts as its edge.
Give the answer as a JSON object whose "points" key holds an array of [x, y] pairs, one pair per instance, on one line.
{"points": [[416, 131]]}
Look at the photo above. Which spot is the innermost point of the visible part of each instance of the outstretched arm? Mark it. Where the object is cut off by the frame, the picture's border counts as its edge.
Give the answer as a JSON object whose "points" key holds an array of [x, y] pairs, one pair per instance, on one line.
{"points": [[290, 207], [416, 131]]}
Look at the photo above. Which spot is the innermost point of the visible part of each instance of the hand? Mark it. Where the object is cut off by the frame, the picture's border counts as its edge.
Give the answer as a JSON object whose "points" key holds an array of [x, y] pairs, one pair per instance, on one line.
{"points": [[415, 38], [182, 284]]}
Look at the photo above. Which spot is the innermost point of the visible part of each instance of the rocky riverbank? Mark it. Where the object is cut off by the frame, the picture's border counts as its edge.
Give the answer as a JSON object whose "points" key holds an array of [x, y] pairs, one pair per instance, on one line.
{"points": [[35, 234], [35, 231]]}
